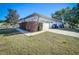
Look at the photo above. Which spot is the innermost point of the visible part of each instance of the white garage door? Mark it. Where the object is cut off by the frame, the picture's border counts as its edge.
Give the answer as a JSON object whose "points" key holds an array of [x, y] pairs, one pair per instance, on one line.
{"points": [[45, 26]]}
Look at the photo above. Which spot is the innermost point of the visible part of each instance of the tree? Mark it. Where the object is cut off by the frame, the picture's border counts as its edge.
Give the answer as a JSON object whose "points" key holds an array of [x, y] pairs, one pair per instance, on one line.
{"points": [[77, 12], [12, 17], [58, 14], [74, 21], [69, 15], [61, 14]]}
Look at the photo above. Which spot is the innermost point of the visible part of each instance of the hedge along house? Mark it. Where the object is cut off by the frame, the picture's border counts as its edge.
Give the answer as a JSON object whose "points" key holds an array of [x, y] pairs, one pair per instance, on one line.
{"points": [[36, 22]]}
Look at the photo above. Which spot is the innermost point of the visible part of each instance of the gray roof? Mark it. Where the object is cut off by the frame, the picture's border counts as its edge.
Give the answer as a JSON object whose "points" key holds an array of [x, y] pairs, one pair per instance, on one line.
{"points": [[39, 15]]}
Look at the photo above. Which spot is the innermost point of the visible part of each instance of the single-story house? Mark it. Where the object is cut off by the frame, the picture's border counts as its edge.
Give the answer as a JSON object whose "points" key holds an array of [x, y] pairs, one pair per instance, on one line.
{"points": [[38, 22]]}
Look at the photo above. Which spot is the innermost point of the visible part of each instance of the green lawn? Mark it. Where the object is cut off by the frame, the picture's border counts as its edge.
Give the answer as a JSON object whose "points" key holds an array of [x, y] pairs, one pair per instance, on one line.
{"points": [[13, 42]]}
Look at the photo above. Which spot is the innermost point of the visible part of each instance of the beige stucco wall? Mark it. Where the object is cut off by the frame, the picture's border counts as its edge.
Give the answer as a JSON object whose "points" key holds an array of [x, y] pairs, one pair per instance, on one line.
{"points": [[45, 26]]}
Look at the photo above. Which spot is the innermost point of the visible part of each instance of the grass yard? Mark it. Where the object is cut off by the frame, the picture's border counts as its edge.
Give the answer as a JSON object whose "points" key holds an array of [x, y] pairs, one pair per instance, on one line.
{"points": [[15, 43]]}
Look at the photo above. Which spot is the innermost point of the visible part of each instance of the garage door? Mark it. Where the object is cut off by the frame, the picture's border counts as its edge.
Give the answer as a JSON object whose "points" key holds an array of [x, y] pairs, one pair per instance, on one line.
{"points": [[45, 26]]}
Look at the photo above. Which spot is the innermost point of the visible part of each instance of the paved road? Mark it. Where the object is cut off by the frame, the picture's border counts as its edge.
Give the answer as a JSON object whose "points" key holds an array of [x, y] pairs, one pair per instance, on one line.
{"points": [[69, 33]]}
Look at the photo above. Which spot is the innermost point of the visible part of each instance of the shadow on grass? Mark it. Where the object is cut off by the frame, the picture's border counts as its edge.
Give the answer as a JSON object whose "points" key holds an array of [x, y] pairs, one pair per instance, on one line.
{"points": [[9, 31]]}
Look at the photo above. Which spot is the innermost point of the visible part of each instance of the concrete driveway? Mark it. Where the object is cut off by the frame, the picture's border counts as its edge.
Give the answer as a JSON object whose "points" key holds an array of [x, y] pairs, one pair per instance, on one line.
{"points": [[69, 33]]}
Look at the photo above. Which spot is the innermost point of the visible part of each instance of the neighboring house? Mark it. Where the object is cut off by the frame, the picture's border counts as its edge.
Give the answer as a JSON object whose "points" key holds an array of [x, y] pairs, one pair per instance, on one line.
{"points": [[37, 22]]}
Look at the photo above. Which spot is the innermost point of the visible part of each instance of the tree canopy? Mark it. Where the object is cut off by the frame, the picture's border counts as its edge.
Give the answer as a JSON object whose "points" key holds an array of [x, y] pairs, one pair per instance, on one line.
{"points": [[12, 17], [69, 15]]}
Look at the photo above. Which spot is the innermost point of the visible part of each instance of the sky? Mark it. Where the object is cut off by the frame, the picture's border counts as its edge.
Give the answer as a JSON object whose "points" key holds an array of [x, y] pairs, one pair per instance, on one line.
{"points": [[25, 9]]}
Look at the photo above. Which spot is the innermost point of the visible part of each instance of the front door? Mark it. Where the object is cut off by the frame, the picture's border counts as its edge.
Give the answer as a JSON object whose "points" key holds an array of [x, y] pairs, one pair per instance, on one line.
{"points": [[40, 26]]}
